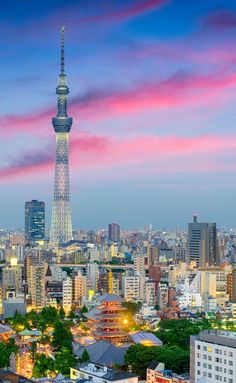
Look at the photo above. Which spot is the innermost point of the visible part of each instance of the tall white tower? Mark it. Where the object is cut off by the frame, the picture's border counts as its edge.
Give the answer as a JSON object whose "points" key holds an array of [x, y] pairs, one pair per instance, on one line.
{"points": [[61, 226]]}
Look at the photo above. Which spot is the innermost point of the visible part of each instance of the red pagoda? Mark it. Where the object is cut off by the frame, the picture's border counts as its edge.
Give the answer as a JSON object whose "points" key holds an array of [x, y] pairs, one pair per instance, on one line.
{"points": [[107, 320]]}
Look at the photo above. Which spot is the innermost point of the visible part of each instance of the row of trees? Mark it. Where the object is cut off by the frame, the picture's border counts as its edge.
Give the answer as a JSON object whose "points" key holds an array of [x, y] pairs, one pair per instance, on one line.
{"points": [[177, 332], [175, 335], [139, 357], [41, 320], [47, 317]]}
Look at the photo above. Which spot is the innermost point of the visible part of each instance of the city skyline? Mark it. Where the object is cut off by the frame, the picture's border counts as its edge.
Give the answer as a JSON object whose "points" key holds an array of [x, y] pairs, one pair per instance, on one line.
{"points": [[153, 102]]}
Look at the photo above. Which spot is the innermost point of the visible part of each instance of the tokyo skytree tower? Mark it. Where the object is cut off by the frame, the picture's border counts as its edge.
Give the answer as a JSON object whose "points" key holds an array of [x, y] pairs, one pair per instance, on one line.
{"points": [[61, 226]]}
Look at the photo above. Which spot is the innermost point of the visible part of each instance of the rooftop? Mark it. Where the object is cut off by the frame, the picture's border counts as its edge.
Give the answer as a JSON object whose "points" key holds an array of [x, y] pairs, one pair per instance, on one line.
{"points": [[105, 372], [146, 338], [109, 298], [224, 338]]}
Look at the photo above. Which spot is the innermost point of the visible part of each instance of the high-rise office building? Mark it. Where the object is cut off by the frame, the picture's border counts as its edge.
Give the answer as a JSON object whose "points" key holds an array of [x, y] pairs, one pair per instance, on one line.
{"points": [[34, 220], [114, 232], [202, 243], [61, 226]]}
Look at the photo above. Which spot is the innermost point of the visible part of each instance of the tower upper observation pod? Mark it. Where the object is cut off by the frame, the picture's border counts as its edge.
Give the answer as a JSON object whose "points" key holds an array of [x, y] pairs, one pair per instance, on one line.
{"points": [[62, 123]]}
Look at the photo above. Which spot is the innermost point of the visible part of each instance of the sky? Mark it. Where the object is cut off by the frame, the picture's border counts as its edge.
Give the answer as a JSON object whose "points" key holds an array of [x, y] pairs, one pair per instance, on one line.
{"points": [[152, 96]]}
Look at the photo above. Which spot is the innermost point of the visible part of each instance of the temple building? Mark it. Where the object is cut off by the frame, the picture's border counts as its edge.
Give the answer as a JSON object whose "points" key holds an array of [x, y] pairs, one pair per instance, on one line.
{"points": [[108, 319]]}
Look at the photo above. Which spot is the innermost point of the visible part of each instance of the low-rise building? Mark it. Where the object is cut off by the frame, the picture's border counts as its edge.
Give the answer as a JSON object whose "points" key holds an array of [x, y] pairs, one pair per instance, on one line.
{"points": [[157, 373], [97, 373]]}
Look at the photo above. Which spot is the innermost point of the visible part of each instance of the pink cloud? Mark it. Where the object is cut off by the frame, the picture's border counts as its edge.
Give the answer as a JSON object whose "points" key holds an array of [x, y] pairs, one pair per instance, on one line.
{"points": [[179, 90], [127, 157], [127, 12]]}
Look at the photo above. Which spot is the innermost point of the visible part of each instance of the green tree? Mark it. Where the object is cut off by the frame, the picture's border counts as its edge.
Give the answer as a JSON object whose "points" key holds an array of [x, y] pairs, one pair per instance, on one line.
{"points": [[84, 310], [42, 325], [63, 361], [33, 350], [49, 315], [71, 315], [33, 318], [44, 339], [85, 356], [62, 336], [61, 313], [177, 332], [42, 366], [19, 322], [132, 307]]}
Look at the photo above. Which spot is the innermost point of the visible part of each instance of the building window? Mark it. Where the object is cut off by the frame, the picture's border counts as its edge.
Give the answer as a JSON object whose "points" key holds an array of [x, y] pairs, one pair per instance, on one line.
{"points": [[198, 363], [230, 363], [198, 347]]}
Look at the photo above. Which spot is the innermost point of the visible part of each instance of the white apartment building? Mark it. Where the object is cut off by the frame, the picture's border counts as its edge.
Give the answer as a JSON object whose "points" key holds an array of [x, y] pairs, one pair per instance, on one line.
{"points": [[79, 283], [139, 267], [162, 295], [209, 303], [131, 287], [92, 274], [150, 293], [212, 356], [189, 300]]}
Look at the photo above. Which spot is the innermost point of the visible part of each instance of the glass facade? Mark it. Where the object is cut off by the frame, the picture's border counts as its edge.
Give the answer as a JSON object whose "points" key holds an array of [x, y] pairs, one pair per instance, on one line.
{"points": [[34, 220]]}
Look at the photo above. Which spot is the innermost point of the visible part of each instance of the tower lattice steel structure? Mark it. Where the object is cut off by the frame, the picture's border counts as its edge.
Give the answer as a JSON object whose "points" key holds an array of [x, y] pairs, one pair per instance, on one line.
{"points": [[61, 226]]}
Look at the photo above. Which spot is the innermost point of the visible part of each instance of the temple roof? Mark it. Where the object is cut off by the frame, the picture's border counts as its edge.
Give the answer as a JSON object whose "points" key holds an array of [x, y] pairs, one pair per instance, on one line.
{"points": [[109, 298]]}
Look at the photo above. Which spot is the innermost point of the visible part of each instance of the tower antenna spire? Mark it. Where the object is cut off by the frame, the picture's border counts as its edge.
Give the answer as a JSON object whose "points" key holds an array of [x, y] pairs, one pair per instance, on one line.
{"points": [[62, 49]]}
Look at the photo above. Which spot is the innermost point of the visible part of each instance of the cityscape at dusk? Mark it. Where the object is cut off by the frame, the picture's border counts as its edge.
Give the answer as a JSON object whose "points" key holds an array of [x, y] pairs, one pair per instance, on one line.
{"points": [[152, 96], [118, 230]]}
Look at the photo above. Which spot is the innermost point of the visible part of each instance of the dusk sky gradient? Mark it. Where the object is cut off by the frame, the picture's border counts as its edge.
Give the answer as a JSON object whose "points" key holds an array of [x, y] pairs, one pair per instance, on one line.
{"points": [[153, 99]]}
